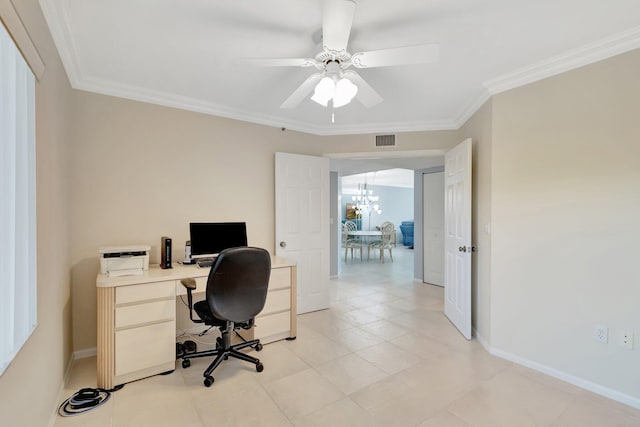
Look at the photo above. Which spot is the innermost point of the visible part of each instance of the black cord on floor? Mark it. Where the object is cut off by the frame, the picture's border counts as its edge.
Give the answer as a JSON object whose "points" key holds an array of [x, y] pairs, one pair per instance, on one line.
{"points": [[85, 399]]}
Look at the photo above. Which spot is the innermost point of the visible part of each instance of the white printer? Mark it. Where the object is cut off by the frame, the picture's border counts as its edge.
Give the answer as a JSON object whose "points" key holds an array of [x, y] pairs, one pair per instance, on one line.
{"points": [[124, 260]]}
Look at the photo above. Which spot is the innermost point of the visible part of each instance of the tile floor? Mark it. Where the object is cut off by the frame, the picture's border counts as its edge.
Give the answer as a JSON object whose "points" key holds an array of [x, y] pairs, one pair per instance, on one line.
{"points": [[382, 355]]}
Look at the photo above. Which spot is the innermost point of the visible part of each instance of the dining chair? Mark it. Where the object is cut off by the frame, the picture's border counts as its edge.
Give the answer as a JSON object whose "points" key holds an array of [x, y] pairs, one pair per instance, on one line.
{"points": [[385, 242], [350, 242]]}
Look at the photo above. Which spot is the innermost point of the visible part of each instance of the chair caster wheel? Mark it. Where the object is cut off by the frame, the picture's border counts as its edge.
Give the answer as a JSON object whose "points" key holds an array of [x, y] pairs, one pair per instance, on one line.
{"points": [[186, 363], [258, 347], [259, 367], [208, 380]]}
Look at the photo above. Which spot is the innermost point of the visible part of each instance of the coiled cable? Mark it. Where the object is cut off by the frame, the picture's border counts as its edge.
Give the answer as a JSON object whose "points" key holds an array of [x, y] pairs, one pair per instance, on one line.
{"points": [[85, 399]]}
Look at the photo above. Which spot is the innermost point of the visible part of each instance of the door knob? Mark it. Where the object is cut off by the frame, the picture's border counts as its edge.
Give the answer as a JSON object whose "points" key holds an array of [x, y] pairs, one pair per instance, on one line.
{"points": [[462, 249], [283, 245]]}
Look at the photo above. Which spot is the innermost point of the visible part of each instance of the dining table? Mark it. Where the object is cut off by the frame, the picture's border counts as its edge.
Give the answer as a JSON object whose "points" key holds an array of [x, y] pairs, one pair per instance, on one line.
{"points": [[366, 237], [365, 233]]}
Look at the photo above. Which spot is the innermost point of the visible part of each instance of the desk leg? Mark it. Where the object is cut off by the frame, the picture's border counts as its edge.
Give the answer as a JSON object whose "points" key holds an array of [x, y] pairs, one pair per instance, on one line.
{"points": [[106, 337], [294, 302]]}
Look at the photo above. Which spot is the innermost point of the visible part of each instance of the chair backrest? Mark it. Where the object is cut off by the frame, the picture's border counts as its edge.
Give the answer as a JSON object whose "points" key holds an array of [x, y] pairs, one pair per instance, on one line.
{"points": [[351, 226], [238, 282], [388, 231], [345, 236]]}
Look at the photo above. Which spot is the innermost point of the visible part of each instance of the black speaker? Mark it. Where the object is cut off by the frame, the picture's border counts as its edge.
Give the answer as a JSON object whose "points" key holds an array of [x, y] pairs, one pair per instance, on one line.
{"points": [[165, 252]]}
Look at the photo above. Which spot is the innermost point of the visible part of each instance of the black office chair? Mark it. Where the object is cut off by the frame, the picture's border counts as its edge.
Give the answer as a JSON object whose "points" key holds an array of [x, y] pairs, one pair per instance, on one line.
{"points": [[236, 293]]}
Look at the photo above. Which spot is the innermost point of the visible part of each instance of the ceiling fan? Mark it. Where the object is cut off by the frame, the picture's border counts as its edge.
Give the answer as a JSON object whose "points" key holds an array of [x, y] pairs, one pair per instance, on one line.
{"points": [[335, 84]]}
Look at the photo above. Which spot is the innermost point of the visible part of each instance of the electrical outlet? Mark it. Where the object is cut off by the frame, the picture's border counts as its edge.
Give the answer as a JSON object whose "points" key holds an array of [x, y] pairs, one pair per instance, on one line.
{"points": [[601, 334], [626, 340]]}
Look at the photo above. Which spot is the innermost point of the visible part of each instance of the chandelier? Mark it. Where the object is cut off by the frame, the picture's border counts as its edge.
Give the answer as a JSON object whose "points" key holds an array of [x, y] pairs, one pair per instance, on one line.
{"points": [[366, 202]]}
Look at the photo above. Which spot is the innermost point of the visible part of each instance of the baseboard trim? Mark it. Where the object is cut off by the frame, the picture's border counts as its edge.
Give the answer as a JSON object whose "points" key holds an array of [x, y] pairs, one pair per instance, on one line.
{"points": [[563, 376], [481, 340], [87, 352], [59, 398]]}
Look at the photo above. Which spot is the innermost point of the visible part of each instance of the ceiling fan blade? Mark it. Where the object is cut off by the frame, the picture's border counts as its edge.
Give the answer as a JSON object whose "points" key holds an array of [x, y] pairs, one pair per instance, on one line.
{"points": [[281, 62], [421, 54], [366, 94], [302, 91], [337, 17]]}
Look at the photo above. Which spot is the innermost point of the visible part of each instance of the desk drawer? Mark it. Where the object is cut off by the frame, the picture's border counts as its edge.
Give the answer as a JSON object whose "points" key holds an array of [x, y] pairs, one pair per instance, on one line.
{"points": [[277, 301], [280, 278], [145, 347], [145, 291], [272, 324], [137, 314]]}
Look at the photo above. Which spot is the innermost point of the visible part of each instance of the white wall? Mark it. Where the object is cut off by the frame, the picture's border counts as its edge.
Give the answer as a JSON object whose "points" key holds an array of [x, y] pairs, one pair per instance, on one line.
{"points": [[418, 227], [565, 218]]}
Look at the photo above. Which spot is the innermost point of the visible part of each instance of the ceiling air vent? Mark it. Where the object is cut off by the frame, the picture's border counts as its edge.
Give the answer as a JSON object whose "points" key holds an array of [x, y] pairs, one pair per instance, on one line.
{"points": [[385, 140]]}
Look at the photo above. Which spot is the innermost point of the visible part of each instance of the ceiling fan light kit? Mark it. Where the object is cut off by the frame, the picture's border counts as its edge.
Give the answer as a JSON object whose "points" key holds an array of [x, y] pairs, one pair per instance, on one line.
{"points": [[335, 88], [335, 82]]}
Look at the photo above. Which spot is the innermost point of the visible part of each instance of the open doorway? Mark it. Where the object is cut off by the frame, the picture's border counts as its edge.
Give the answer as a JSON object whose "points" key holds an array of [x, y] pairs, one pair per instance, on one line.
{"points": [[348, 164], [376, 215]]}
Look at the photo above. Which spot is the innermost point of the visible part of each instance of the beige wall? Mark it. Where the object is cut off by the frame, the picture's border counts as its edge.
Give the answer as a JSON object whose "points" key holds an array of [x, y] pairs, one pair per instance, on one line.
{"points": [[479, 129], [142, 171], [563, 206], [565, 212], [30, 386]]}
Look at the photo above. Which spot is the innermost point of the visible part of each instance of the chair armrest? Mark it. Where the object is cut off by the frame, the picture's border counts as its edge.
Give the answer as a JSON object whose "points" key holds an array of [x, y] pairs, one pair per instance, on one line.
{"points": [[190, 284]]}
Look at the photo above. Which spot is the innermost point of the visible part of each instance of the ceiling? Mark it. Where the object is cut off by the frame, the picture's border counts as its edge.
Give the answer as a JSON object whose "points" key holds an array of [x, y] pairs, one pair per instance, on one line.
{"points": [[189, 54]]}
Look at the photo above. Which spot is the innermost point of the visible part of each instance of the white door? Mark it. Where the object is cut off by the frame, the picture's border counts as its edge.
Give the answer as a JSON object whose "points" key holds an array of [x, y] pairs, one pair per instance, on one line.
{"points": [[433, 227], [458, 248], [302, 224]]}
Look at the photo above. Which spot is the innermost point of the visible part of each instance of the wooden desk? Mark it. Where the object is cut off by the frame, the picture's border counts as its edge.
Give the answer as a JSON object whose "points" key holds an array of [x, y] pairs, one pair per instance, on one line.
{"points": [[137, 318]]}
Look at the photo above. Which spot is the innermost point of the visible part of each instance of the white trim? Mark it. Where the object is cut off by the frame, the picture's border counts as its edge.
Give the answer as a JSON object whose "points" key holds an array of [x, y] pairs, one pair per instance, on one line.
{"points": [[15, 27], [84, 353], [59, 28], [471, 108], [481, 340], [392, 154], [563, 376], [134, 93], [574, 58], [65, 380], [597, 51]]}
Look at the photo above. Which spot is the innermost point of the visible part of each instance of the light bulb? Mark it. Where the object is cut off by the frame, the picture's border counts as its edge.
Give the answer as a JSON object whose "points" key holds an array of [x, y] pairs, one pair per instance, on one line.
{"points": [[344, 92], [324, 91]]}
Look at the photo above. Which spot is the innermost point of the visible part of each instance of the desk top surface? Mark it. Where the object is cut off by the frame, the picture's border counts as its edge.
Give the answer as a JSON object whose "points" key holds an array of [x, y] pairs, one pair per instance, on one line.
{"points": [[179, 271]]}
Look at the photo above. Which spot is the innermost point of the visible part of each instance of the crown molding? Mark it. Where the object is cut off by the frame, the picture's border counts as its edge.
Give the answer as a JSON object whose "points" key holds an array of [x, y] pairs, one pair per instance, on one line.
{"points": [[57, 17], [602, 49], [12, 21], [471, 108], [135, 93]]}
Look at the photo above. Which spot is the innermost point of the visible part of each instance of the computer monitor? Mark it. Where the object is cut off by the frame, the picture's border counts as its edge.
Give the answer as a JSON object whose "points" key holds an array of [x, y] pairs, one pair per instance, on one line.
{"points": [[208, 239]]}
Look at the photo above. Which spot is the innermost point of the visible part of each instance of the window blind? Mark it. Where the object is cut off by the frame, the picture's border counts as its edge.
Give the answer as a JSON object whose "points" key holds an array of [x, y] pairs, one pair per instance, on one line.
{"points": [[18, 285]]}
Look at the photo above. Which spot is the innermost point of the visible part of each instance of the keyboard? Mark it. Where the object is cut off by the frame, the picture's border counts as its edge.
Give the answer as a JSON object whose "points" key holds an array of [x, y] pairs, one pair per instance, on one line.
{"points": [[205, 262]]}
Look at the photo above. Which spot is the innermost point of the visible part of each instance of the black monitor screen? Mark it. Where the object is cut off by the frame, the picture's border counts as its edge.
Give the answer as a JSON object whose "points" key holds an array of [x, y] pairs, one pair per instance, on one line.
{"points": [[211, 238]]}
